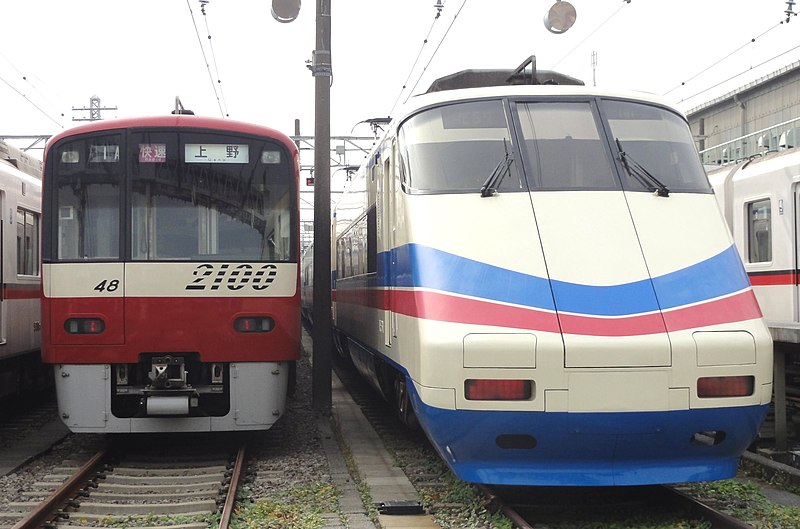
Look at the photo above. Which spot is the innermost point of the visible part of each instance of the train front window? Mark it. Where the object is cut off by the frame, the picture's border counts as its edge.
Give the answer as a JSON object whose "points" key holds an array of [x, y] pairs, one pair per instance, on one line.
{"points": [[660, 141], [88, 174], [455, 148], [210, 197], [562, 147]]}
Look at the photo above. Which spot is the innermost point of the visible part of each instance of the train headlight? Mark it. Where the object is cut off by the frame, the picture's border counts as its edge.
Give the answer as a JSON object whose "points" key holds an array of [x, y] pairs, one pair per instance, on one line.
{"points": [[715, 387], [84, 326], [486, 389], [254, 324]]}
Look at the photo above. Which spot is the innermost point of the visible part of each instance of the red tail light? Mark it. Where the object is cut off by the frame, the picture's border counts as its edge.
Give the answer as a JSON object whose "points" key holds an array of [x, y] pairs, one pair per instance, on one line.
{"points": [[84, 326], [254, 324], [714, 387], [484, 389]]}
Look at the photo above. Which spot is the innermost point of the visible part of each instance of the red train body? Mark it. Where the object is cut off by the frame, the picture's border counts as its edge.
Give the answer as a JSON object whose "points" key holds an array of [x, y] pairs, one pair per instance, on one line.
{"points": [[170, 274]]}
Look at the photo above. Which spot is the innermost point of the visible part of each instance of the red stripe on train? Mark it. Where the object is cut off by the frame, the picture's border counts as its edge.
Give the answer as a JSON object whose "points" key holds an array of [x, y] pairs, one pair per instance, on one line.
{"points": [[443, 307], [783, 278], [21, 291]]}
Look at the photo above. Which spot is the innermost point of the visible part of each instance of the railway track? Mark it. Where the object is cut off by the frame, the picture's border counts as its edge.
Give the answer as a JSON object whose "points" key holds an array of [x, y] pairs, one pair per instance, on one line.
{"points": [[529, 507], [186, 486]]}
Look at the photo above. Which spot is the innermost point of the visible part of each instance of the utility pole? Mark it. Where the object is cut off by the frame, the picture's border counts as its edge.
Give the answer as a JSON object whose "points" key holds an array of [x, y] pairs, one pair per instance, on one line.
{"points": [[322, 332], [93, 109], [286, 11]]}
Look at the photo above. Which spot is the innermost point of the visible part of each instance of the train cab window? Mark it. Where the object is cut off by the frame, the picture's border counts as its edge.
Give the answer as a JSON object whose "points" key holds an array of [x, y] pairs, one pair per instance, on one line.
{"points": [[455, 148], [563, 148], [88, 173], [658, 140], [199, 196], [759, 238], [27, 243]]}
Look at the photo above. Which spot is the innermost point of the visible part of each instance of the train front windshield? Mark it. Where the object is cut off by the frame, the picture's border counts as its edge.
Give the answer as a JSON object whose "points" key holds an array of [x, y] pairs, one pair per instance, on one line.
{"points": [[174, 196], [562, 145]]}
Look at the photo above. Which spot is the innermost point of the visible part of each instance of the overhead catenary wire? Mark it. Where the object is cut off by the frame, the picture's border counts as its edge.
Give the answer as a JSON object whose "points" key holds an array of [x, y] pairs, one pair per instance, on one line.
{"points": [[718, 61], [205, 59], [595, 30], [433, 55], [214, 58], [740, 73], [439, 7], [27, 80], [37, 107]]}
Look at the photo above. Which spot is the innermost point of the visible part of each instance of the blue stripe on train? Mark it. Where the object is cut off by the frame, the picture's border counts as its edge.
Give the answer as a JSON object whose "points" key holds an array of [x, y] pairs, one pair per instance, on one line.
{"points": [[420, 266]]}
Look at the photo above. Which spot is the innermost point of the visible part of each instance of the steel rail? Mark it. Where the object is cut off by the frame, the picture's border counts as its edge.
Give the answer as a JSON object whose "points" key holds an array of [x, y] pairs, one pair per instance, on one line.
{"points": [[506, 509], [719, 520], [230, 498], [49, 507]]}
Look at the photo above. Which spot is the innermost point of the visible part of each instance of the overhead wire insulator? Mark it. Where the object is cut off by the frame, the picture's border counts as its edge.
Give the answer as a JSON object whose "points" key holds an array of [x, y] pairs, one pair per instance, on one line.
{"points": [[789, 11], [439, 6]]}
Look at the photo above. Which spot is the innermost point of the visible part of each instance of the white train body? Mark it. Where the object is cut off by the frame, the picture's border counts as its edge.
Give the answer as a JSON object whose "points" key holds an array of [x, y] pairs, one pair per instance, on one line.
{"points": [[760, 199], [565, 326], [20, 319]]}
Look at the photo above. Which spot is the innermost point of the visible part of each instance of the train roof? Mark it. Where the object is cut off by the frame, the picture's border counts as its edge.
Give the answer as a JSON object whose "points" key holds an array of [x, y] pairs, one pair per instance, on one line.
{"points": [[418, 102], [176, 120], [20, 160]]}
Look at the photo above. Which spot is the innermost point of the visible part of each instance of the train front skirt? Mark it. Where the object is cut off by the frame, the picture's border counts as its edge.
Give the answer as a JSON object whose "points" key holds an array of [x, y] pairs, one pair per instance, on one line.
{"points": [[590, 449], [257, 398]]}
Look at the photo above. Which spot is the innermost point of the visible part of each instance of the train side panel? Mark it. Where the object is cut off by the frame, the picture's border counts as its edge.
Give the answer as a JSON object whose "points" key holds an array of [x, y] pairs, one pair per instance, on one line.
{"points": [[20, 315], [760, 201]]}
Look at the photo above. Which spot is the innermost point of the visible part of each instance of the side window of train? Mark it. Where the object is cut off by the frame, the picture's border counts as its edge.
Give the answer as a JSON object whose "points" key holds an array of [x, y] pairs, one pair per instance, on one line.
{"points": [[759, 235], [27, 243], [343, 258], [372, 240]]}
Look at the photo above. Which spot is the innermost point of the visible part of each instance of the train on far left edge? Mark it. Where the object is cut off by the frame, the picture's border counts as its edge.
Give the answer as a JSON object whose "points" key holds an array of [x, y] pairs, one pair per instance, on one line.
{"points": [[171, 281], [21, 369]]}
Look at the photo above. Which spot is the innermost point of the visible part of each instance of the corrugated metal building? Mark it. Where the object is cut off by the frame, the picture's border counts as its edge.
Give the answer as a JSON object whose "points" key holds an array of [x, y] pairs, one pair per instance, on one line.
{"points": [[759, 117]]}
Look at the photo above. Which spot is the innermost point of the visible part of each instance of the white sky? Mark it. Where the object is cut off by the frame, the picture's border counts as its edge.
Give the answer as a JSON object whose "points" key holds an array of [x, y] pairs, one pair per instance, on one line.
{"points": [[139, 55]]}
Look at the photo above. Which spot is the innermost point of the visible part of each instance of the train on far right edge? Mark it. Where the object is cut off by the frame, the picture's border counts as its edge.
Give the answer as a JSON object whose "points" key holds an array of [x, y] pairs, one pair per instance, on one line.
{"points": [[538, 272], [760, 198]]}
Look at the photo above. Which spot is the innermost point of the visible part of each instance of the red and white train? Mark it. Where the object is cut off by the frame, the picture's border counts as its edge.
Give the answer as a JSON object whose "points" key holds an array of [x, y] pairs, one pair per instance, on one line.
{"points": [[539, 272], [760, 198], [170, 274], [20, 320]]}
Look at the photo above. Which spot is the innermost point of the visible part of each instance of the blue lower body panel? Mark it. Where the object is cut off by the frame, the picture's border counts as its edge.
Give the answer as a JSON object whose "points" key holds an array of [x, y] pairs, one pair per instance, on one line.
{"points": [[591, 449]]}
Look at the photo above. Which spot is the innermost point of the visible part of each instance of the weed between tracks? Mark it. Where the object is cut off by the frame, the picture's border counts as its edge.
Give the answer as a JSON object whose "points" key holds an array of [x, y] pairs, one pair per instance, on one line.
{"points": [[300, 507], [145, 520]]}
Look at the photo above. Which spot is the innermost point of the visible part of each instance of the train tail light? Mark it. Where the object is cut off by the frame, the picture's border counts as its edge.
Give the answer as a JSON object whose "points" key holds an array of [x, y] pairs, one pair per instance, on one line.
{"points": [[486, 389], [84, 326], [254, 324], [715, 387]]}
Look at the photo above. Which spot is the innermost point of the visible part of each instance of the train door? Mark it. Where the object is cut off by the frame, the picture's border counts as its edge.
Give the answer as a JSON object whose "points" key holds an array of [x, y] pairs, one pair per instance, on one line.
{"points": [[389, 232], [3, 302], [796, 253]]}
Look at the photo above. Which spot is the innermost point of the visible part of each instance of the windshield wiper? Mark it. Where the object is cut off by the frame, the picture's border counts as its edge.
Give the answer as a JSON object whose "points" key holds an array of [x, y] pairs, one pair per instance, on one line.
{"points": [[641, 174], [503, 168]]}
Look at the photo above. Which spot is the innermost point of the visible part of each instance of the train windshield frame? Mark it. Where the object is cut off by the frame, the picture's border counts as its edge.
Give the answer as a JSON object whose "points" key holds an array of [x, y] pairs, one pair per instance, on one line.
{"points": [[169, 194], [563, 144]]}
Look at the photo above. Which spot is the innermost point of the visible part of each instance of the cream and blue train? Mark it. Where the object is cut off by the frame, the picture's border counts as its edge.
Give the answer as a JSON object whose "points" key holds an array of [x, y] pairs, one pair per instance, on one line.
{"points": [[538, 272]]}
